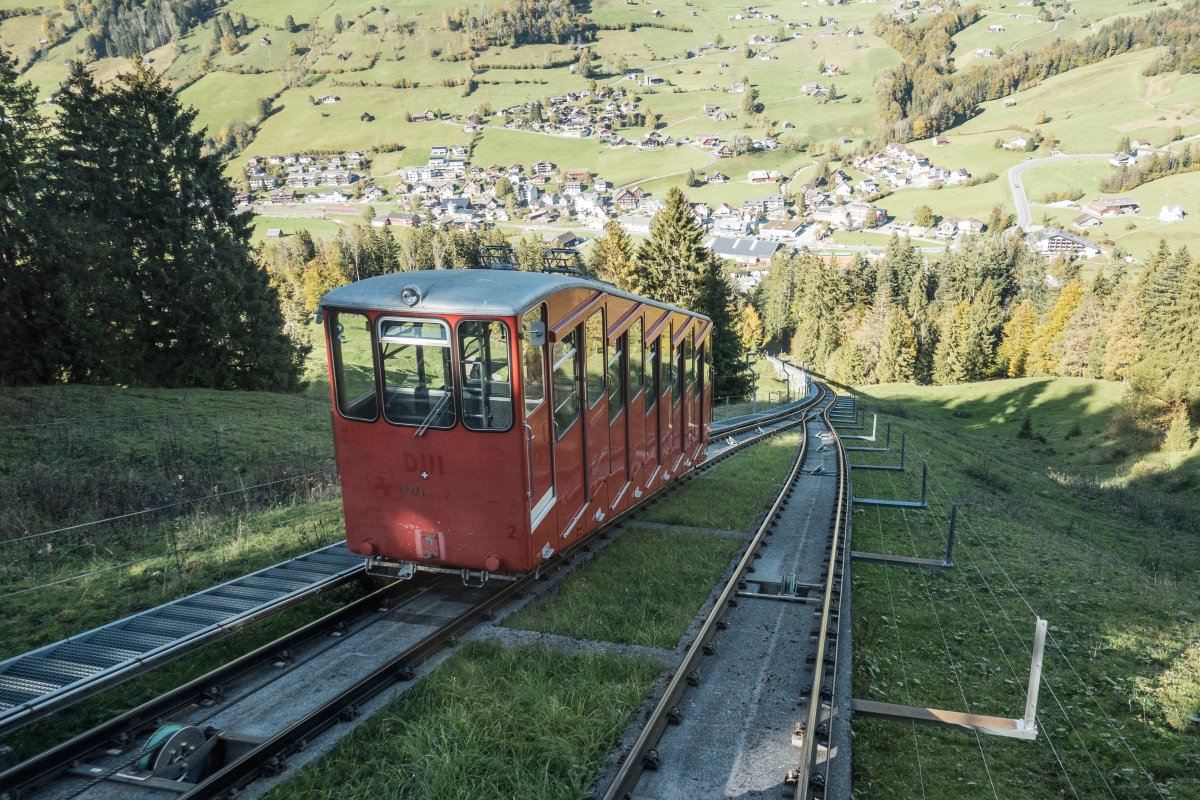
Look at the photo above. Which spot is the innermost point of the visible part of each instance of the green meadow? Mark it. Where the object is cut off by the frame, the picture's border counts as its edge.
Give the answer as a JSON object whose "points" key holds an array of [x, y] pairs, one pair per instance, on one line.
{"points": [[1075, 524]]}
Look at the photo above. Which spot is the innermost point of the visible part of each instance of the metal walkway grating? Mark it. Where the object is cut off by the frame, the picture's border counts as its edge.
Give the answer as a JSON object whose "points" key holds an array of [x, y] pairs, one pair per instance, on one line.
{"points": [[43, 680]]}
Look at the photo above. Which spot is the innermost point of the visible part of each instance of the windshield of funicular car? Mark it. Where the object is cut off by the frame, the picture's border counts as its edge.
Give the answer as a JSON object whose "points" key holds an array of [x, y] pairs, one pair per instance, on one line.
{"points": [[415, 362]]}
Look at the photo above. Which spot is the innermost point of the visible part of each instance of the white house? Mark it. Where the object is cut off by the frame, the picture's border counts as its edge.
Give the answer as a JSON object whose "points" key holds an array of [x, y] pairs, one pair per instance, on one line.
{"points": [[1171, 214]]}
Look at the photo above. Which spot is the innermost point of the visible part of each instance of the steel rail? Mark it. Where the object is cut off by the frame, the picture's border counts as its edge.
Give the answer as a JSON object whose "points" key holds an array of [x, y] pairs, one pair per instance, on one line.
{"points": [[39, 769], [272, 753], [833, 577], [631, 768]]}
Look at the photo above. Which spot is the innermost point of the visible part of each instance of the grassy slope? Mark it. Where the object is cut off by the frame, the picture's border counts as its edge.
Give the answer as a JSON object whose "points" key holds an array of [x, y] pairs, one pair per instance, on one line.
{"points": [[75, 454], [1076, 530]]}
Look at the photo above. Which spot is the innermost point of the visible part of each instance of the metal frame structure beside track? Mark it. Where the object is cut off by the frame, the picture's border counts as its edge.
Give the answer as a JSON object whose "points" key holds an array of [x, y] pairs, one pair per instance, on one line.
{"points": [[643, 747], [272, 753]]}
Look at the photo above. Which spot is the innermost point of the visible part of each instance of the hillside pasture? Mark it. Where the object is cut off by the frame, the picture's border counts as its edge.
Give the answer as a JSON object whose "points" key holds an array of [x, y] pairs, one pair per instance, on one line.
{"points": [[224, 97], [1090, 108]]}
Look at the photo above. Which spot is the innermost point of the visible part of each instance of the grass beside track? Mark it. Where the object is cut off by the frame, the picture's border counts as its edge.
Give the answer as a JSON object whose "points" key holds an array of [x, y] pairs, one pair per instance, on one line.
{"points": [[734, 495], [1072, 525], [527, 722], [643, 589], [137, 570]]}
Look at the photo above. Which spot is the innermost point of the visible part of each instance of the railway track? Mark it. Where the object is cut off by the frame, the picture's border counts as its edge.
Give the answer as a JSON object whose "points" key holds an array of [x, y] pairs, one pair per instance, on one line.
{"points": [[266, 754], [731, 746]]}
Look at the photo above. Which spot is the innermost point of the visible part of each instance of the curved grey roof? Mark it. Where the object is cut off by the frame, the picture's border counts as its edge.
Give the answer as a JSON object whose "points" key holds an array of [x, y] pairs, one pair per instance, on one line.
{"points": [[468, 291]]}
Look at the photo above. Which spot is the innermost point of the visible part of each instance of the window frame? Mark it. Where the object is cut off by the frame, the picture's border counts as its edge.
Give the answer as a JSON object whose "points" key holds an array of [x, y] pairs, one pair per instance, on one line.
{"points": [[653, 375], [559, 430], [523, 337], [587, 355], [336, 362], [637, 369], [457, 358], [380, 373], [617, 351]]}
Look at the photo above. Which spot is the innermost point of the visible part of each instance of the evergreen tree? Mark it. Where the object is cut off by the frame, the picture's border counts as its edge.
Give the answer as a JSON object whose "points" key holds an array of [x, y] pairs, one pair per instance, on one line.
{"points": [[1124, 347], [968, 337], [1176, 354], [1082, 329], [779, 297], [34, 297], [149, 227], [289, 24], [673, 259], [612, 259], [953, 361], [922, 318], [900, 263], [716, 299], [1048, 341], [898, 354], [1016, 340], [818, 318], [1179, 433]]}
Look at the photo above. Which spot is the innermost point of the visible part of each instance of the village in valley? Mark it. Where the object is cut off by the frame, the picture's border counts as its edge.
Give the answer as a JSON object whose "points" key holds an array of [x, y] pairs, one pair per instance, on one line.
{"points": [[765, 115]]}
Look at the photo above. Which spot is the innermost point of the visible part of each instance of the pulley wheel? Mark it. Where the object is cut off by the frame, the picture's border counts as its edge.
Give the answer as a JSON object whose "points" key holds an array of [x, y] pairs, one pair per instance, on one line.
{"points": [[166, 753]]}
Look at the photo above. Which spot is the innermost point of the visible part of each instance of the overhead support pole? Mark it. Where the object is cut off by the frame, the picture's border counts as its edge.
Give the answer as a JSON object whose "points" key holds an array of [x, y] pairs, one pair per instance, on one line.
{"points": [[913, 561], [1023, 728], [910, 504]]}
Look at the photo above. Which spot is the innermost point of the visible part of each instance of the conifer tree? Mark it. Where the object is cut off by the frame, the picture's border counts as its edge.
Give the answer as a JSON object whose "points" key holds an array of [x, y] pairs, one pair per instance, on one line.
{"points": [[1016, 340], [1083, 327], [148, 225], [921, 317], [1176, 353], [818, 318], [716, 299], [898, 354], [33, 297], [1124, 347], [1179, 433], [674, 260], [779, 298], [1048, 341], [612, 259], [953, 361]]}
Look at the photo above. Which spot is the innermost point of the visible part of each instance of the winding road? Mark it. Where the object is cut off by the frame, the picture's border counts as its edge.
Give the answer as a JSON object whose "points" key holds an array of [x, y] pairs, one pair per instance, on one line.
{"points": [[1020, 200]]}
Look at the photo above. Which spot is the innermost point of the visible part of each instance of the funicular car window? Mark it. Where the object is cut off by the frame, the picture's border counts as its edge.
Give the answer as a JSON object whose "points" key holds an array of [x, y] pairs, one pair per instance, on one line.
{"points": [[533, 365], [414, 358], [668, 366], [693, 361], [636, 361], [566, 382], [616, 379], [485, 379], [652, 374], [594, 334], [353, 365], [689, 349]]}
